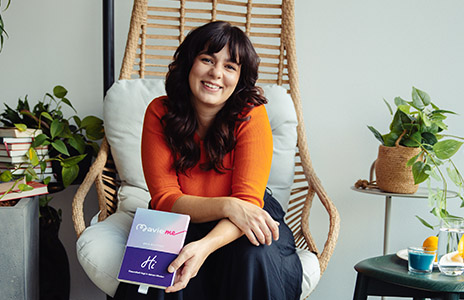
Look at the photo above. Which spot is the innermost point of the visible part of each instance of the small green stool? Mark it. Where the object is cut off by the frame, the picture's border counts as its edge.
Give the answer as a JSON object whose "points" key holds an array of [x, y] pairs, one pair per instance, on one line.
{"points": [[388, 276]]}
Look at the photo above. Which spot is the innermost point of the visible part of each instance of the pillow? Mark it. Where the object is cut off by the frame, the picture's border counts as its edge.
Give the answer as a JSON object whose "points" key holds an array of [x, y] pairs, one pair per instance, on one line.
{"points": [[123, 111], [282, 117]]}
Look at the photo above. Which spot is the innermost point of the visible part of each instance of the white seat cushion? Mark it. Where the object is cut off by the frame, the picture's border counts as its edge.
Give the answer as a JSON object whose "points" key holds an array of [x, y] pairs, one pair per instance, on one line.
{"points": [[101, 246]]}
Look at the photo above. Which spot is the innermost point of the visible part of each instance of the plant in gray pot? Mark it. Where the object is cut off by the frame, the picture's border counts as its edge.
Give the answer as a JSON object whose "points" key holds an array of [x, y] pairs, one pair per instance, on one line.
{"points": [[71, 142], [418, 127]]}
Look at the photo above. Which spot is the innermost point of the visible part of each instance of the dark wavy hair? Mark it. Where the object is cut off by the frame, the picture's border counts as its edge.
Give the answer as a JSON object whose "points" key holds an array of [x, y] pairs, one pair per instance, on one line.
{"points": [[180, 121]]}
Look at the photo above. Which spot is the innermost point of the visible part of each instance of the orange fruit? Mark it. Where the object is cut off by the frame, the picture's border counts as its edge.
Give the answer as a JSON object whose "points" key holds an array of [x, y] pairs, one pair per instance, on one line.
{"points": [[457, 258], [461, 246], [431, 244]]}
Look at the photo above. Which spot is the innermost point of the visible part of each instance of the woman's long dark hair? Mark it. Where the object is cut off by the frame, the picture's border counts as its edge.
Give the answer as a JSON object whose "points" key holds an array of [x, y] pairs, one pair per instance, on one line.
{"points": [[180, 121]]}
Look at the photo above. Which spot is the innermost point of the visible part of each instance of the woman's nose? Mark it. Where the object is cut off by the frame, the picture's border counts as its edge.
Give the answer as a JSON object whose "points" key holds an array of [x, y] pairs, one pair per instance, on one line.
{"points": [[215, 71]]}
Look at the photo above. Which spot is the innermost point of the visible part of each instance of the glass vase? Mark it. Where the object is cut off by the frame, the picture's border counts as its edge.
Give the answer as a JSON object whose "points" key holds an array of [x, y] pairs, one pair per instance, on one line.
{"points": [[450, 247]]}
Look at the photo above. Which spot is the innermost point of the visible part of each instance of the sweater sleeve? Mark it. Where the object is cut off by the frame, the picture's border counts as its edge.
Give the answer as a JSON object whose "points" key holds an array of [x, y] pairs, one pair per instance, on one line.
{"points": [[253, 157], [157, 160]]}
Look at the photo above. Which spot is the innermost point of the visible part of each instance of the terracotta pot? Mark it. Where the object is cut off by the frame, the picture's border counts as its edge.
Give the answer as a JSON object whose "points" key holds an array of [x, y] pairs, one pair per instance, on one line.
{"points": [[392, 174]]}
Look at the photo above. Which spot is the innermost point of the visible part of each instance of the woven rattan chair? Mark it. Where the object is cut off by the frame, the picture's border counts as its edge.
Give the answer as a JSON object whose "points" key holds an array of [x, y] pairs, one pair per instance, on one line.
{"points": [[156, 31]]}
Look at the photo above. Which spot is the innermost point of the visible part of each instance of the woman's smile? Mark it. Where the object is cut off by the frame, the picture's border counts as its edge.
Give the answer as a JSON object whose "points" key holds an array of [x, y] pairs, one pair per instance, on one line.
{"points": [[213, 79]]}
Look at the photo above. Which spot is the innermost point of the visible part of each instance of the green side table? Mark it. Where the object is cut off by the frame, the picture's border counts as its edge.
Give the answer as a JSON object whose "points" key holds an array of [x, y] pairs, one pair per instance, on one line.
{"points": [[388, 276]]}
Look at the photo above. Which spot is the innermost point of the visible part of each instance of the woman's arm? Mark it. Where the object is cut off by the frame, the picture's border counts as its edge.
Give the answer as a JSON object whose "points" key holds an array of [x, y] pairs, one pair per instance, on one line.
{"points": [[252, 220]]}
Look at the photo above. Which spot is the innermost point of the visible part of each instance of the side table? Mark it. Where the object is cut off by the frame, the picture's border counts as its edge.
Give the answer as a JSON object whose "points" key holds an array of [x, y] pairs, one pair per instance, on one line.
{"points": [[388, 276], [421, 193]]}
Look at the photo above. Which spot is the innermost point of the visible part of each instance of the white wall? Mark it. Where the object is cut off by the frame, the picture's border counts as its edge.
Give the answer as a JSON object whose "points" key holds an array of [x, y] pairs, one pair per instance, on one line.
{"points": [[351, 55]]}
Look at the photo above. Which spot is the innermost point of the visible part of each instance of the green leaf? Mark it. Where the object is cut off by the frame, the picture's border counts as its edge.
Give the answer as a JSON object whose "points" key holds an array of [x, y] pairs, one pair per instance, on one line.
{"points": [[413, 141], [447, 148], [94, 133], [390, 139], [43, 166], [412, 160], [425, 119], [25, 187], [77, 120], [419, 170], [69, 174], [425, 223], [429, 138], [420, 99], [399, 101], [39, 140], [46, 115], [441, 125], [77, 142], [59, 91], [405, 108], [56, 128], [21, 127], [6, 176], [377, 134], [399, 120], [442, 111], [66, 100], [32, 155], [60, 147], [91, 121], [454, 176], [389, 107], [29, 177], [73, 160], [30, 174], [47, 180], [437, 117]]}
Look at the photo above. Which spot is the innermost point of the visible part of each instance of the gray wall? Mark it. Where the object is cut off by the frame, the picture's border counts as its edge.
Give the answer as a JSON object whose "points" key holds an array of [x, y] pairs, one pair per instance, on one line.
{"points": [[351, 55]]}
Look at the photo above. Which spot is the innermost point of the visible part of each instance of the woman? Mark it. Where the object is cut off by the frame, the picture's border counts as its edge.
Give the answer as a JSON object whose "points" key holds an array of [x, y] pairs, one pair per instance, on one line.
{"points": [[206, 152]]}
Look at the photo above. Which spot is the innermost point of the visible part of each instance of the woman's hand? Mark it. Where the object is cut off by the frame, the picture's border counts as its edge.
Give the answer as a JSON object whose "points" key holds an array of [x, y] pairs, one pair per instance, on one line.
{"points": [[187, 264], [253, 221]]}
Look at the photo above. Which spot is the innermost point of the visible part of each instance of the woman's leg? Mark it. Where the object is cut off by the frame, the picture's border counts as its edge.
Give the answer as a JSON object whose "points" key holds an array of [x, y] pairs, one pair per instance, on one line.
{"points": [[247, 272]]}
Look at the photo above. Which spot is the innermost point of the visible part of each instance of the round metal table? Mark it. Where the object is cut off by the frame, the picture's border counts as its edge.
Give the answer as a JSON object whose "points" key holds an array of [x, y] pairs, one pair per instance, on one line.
{"points": [[388, 276]]}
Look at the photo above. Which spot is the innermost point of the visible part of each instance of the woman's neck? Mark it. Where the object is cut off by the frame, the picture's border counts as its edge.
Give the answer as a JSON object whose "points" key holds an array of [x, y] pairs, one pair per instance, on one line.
{"points": [[204, 123], [205, 117]]}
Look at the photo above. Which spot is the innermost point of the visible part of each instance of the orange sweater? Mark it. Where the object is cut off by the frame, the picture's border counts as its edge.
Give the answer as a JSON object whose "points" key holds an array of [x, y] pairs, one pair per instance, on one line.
{"points": [[250, 163]]}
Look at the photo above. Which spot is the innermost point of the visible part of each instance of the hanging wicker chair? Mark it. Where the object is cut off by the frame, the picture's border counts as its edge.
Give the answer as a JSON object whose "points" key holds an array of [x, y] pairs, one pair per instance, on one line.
{"points": [[156, 31]]}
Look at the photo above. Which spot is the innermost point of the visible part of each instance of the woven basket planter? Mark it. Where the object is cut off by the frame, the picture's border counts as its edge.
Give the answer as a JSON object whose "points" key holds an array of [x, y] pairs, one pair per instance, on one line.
{"points": [[392, 174]]}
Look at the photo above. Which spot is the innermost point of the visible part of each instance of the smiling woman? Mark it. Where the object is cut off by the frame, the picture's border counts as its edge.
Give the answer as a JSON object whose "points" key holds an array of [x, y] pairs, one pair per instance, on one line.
{"points": [[207, 152]]}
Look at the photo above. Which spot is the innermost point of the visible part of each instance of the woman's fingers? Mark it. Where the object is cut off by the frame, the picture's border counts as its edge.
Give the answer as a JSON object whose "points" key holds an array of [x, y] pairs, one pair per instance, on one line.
{"points": [[255, 223], [187, 264]]}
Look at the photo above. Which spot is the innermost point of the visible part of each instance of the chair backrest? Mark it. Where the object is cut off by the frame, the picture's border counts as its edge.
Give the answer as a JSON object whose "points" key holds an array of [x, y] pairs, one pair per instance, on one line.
{"points": [[155, 33]]}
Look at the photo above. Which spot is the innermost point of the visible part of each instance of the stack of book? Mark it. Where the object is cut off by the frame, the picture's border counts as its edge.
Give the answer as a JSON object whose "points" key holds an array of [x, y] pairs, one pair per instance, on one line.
{"points": [[14, 146], [10, 190]]}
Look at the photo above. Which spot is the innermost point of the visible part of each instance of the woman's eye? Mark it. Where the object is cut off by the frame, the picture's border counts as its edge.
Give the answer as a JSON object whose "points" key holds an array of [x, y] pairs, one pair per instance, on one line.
{"points": [[206, 60], [231, 67]]}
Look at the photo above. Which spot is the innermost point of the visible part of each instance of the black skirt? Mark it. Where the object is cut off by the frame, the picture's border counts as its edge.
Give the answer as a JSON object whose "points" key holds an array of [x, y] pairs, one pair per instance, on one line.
{"points": [[239, 270]]}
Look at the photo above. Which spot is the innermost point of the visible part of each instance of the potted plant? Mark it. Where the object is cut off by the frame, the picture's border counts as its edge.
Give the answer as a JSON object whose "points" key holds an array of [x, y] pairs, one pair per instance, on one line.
{"points": [[70, 145], [419, 124]]}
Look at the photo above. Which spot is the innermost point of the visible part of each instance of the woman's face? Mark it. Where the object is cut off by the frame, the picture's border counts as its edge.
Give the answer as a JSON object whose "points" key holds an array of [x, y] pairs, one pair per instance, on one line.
{"points": [[213, 79]]}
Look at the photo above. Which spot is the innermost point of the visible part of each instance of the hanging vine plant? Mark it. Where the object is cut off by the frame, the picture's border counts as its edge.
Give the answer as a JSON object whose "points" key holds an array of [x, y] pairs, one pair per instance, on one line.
{"points": [[3, 33]]}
